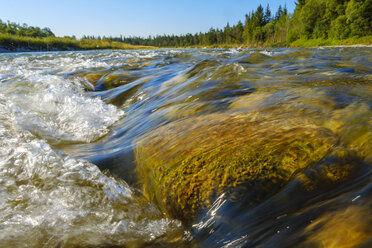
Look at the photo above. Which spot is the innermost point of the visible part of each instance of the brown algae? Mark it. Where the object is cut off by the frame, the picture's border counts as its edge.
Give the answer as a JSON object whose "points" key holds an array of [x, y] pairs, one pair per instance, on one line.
{"points": [[184, 165]]}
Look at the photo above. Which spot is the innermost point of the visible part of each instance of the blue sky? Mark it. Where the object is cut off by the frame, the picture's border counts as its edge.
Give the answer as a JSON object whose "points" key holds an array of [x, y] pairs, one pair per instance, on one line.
{"points": [[130, 17]]}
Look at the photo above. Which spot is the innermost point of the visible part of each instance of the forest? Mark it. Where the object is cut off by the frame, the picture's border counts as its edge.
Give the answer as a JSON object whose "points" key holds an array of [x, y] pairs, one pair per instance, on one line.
{"points": [[24, 30], [313, 23], [16, 37], [327, 21]]}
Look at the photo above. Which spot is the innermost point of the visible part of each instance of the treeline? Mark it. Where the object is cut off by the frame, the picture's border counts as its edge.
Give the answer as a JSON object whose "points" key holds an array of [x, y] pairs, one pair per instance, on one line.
{"points": [[13, 43], [313, 23], [15, 37], [24, 30], [253, 31], [335, 19], [312, 19]]}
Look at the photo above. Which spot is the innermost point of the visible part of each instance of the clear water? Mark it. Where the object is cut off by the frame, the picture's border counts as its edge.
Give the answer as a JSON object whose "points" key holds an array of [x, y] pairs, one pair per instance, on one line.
{"points": [[70, 123]]}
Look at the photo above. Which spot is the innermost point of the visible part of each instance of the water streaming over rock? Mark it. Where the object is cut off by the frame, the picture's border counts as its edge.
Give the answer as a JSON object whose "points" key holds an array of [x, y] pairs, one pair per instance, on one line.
{"points": [[186, 148]]}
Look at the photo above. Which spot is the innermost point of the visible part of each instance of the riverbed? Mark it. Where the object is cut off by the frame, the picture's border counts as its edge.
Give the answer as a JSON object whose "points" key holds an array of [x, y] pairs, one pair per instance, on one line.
{"points": [[186, 148]]}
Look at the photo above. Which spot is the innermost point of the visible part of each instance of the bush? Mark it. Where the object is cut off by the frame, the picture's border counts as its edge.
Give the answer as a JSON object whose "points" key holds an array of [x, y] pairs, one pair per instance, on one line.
{"points": [[339, 28]]}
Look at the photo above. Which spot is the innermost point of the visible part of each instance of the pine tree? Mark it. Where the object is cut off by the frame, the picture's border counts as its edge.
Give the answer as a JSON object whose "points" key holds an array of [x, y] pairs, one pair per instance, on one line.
{"points": [[267, 14]]}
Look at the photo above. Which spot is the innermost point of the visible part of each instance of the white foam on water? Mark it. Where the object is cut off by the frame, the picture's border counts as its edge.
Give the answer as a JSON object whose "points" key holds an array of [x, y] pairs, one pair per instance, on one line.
{"points": [[268, 53], [60, 62], [235, 50], [59, 112], [50, 199], [53, 107]]}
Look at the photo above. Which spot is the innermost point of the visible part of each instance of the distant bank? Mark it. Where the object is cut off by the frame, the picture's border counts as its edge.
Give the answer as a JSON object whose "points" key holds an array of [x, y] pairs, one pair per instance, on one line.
{"points": [[350, 42], [15, 43], [313, 23]]}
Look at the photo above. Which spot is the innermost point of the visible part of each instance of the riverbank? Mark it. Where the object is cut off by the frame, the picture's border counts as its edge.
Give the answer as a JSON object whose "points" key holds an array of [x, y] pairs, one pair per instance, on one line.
{"points": [[353, 41], [365, 41], [12, 43]]}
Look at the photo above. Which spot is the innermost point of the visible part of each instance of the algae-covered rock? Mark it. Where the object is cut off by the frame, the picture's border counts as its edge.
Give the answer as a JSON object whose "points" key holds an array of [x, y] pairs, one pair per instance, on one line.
{"points": [[254, 58], [183, 110], [107, 79], [116, 79], [251, 100], [92, 76], [352, 123], [354, 126], [346, 228], [185, 165], [340, 166]]}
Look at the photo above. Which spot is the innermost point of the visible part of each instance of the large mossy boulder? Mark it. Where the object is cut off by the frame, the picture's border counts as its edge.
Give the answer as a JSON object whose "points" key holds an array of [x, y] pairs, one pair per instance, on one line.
{"points": [[185, 165]]}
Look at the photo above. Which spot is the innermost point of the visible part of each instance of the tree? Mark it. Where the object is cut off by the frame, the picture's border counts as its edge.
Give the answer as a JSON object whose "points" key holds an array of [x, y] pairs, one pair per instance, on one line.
{"points": [[285, 10], [300, 3], [238, 33], [259, 17], [359, 17], [337, 19], [267, 17], [47, 32], [279, 13], [211, 37], [227, 33], [339, 28]]}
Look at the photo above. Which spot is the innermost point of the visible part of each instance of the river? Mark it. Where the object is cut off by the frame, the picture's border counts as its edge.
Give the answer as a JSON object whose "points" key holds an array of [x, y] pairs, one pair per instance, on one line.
{"points": [[186, 148]]}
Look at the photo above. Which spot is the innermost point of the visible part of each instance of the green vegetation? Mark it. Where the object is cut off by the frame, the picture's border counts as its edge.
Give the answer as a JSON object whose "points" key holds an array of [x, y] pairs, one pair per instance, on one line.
{"points": [[367, 40], [14, 43], [313, 23], [252, 151], [24, 30], [184, 170], [15, 37]]}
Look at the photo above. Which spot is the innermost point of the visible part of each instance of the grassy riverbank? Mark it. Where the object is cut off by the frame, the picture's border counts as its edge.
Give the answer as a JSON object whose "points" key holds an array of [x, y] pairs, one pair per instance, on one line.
{"points": [[354, 41], [366, 40], [13, 43]]}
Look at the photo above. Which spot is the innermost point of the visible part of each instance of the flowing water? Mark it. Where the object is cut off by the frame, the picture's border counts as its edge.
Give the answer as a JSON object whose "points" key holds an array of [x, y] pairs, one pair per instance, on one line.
{"points": [[186, 148]]}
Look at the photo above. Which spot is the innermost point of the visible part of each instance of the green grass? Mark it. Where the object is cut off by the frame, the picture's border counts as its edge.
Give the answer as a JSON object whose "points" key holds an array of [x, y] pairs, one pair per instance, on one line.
{"points": [[12, 42], [366, 40]]}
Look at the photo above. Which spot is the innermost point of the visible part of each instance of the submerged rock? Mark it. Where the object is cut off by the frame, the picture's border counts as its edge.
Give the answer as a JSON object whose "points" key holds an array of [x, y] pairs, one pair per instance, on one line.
{"points": [[115, 79], [350, 227], [108, 78], [187, 164], [254, 58], [92, 76], [186, 109]]}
